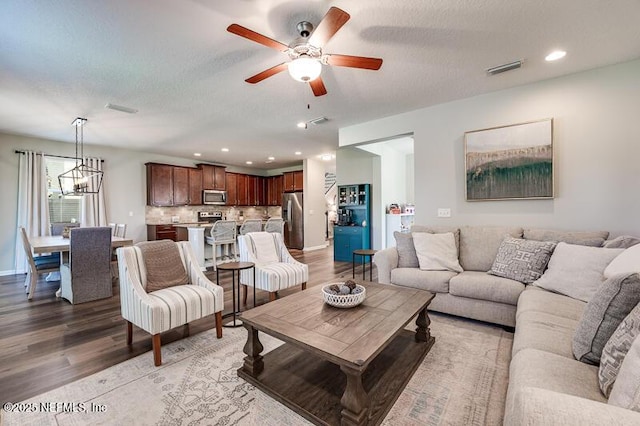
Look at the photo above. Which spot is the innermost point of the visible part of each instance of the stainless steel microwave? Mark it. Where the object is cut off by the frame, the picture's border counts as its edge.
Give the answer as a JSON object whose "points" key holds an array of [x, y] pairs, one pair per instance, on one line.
{"points": [[210, 196]]}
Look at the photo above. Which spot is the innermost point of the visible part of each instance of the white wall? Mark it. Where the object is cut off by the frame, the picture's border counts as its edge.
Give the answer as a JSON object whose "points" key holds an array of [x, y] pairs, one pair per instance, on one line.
{"points": [[314, 204], [596, 148]]}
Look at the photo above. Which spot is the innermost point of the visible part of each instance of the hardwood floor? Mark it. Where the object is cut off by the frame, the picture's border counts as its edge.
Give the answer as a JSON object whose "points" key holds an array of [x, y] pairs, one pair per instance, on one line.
{"points": [[47, 342]]}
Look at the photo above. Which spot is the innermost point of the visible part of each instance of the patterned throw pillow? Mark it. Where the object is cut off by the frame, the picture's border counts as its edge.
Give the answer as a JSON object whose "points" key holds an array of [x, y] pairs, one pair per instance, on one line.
{"points": [[608, 307], [163, 263], [626, 391], [522, 260], [616, 349]]}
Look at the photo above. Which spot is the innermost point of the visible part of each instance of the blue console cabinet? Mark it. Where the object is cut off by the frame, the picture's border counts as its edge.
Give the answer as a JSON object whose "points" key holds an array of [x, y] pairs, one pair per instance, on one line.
{"points": [[354, 201]]}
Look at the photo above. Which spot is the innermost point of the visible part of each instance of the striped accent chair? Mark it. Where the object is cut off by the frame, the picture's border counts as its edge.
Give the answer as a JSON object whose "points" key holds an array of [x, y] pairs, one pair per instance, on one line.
{"points": [[167, 308], [275, 268]]}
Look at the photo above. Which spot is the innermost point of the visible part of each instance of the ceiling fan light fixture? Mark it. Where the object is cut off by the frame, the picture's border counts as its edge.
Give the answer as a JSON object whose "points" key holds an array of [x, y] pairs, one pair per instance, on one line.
{"points": [[305, 69]]}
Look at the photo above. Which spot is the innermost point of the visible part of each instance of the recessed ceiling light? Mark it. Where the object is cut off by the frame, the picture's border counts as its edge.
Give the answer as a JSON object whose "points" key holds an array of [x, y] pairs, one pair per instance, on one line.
{"points": [[249, 162], [555, 55], [298, 153], [302, 125], [197, 154], [271, 158], [326, 157], [225, 150]]}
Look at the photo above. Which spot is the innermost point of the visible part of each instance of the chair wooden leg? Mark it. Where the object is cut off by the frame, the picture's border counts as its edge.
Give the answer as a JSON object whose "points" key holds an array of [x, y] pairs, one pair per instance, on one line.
{"points": [[32, 285], [272, 296], [219, 324], [304, 286], [186, 330], [157, 355], [129, 333], [244, 294]]}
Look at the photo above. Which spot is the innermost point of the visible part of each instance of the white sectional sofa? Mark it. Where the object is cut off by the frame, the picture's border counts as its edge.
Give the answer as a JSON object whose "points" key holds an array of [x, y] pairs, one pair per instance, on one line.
{"points": [[547, 385]]}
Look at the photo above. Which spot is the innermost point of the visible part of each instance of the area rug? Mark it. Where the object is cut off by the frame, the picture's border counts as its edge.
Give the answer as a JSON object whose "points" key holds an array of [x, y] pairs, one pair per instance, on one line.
{"points": [[462, 381]]}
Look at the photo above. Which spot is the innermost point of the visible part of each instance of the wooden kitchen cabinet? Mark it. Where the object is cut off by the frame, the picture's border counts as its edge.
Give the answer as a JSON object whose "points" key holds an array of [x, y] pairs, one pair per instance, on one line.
{"points": [[181, 188], [293, 181], [256, 190], [274, 186], [232, 191], [167, 185], [195, 187], [161, 232], [213, 177], [243, 190]]}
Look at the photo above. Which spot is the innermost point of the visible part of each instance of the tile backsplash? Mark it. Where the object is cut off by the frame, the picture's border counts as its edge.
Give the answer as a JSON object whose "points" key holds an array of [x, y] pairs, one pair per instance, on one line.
{"points": [[189, 214]]}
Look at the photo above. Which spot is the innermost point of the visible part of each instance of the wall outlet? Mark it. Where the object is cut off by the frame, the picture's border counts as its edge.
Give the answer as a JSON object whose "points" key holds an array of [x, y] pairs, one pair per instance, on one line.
{"points": [[444, 212]]}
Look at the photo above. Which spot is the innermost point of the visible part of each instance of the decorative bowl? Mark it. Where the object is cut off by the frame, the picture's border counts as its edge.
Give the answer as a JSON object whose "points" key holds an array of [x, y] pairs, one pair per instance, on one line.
{"points": [[343, 300]]}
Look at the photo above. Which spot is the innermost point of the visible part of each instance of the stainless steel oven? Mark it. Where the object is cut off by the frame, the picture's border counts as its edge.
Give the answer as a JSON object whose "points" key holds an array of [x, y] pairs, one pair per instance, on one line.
{"points": [[210, 196]]}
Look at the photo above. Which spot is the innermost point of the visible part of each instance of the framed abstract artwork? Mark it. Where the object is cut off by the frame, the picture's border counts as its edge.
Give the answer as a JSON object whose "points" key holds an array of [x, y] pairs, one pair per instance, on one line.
{"points": [[510, 162]]}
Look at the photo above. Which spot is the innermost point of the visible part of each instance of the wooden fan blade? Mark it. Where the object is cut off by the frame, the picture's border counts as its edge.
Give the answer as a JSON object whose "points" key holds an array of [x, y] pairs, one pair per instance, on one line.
{"points": [[328, 26], [354, 61], [257, 37], [318, 87], [267, 73]]}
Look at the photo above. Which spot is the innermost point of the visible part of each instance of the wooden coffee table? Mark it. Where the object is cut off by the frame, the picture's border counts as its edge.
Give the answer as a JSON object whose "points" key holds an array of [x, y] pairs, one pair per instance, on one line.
{"points": [[338, 366]]}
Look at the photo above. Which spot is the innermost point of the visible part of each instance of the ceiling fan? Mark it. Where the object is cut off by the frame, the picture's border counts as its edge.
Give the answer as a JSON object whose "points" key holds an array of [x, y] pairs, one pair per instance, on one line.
{"points": [[305, 51]]}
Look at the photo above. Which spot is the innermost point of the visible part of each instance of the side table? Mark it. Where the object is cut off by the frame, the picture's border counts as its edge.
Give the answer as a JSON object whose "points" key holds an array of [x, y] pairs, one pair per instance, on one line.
{"points": [[233, 267], [363, 253]]}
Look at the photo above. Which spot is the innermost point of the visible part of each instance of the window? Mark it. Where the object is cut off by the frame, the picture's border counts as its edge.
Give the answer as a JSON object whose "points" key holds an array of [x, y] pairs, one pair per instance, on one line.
{"points": [[62, 208]]}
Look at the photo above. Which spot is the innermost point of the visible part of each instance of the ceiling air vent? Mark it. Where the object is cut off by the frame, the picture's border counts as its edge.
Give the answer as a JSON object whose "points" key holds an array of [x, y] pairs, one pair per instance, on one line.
{"points": [[504, 67], [121, 108], [319, 120]]}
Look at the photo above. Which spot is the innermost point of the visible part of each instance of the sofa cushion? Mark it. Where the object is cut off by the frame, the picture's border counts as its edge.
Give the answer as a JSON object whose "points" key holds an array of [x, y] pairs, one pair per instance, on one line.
{"points": [[611, 303], [545, 332], [479, 245], [616, 349], [522, 260], [626, 390], [436, 252], [626, 262], [482, 286], [535, 368], [536, 299], [583, 238], [407, 257], [623, 241], [576, 271], [433, 281]]}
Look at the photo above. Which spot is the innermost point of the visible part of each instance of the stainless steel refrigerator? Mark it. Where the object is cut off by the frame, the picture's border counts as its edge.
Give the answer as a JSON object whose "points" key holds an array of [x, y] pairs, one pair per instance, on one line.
{"points": [[293, 219]]}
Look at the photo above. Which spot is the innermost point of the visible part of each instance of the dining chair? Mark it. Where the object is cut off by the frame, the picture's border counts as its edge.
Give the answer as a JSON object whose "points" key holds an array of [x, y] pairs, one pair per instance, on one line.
{"points": [[162, 287], [223, 236], [37, 265], [274, 224], [57, 228], [113, 227], [275, 268], [87, 275], [250, 225]]}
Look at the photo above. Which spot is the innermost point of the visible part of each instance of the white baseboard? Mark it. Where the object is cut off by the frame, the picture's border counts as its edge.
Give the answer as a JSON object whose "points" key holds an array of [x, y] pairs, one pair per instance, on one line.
{"points": [[316, 247], [10, 272]]}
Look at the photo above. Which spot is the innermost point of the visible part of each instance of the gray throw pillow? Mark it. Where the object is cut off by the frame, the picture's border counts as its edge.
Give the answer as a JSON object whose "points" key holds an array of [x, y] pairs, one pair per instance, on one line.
{"points": [[522, 260], [582, 238], [611, 303], [407, 257], [616, 350]]}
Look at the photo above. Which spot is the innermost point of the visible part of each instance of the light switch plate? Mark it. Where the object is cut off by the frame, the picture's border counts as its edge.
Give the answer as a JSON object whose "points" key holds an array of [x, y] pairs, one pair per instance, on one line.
{"points": [[444, 212]]}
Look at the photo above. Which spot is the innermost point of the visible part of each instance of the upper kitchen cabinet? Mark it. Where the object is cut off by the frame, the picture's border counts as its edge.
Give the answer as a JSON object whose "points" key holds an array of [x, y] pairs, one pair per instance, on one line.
{"points": [[213, 177], [293, 181], [242, 189], [167, 185], [274, 186], [232, 191], [195, 187]]}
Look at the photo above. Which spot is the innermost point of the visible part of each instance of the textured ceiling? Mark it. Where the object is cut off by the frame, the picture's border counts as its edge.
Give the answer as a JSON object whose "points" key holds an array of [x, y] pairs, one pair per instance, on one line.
{"points": [[175, 62]]}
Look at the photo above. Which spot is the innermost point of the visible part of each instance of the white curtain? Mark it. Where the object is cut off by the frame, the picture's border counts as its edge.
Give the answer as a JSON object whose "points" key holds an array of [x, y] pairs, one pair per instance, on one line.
{"points": [[33, 203], [94, 210]]}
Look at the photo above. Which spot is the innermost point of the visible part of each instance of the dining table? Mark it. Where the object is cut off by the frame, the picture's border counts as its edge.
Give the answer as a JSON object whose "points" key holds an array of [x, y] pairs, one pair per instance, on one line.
{"points": [[57, 243]]}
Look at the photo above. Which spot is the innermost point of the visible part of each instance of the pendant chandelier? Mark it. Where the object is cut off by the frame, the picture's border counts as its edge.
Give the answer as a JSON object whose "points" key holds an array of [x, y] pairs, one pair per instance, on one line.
{"points": [[82, 179]]}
